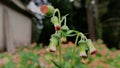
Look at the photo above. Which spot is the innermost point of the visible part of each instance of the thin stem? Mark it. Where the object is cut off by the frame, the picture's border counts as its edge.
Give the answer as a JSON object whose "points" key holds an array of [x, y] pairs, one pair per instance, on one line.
{"points": [[75, 43], [59, 16], [57, 10], [60, 53], [64, 19], [59, 44], [83, 37], [73, 53]]}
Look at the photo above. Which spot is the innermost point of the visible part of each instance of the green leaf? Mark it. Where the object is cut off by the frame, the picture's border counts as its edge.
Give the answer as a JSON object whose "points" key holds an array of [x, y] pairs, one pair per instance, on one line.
{"points": [[70, 31]]}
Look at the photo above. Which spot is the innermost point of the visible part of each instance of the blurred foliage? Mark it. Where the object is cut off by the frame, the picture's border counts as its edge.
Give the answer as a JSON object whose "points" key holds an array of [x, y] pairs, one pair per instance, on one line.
{"points": [[110, 18], [38, 57], [105, 58], [46, 32], [35, 31]]}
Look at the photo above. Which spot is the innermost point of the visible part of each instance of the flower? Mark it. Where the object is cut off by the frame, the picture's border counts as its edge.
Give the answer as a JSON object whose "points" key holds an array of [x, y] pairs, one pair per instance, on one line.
{"points": [[83, 54], [82, 49], [52, 48], [1, 63], [48, 10], [53, 43], [71, 44], [33, 45], [91, 47], [29, 62], [57, 27], [16, 58]]}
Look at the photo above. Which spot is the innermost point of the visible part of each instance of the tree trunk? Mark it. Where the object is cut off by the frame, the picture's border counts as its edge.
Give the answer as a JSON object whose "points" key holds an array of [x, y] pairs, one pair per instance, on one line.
{"points": [[97, 21], [91, 23]]}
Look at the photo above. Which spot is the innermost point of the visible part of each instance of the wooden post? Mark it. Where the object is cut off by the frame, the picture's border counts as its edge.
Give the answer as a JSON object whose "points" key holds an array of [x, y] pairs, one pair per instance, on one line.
{"points": [[8, 32]]}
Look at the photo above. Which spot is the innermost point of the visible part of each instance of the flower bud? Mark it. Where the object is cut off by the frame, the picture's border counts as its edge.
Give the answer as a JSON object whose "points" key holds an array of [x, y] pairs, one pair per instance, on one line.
{"points": [[82, 49], [54, 20], [65, 28], [63, 39], [44, 9], [91, 46], [48, 10]]}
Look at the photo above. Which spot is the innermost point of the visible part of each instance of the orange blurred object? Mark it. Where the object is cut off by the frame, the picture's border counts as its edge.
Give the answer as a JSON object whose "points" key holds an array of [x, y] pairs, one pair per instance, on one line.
{"points": [[44, 9]]}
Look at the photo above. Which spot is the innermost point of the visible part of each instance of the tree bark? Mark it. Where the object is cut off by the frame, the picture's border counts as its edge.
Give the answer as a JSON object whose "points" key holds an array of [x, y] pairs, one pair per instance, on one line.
{"points": [[91, 23], [97, 21]]}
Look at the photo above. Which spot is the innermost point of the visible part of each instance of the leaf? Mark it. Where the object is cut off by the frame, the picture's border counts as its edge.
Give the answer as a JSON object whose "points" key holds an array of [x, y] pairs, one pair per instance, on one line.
{"points": [[56, 64], [70, 31]]}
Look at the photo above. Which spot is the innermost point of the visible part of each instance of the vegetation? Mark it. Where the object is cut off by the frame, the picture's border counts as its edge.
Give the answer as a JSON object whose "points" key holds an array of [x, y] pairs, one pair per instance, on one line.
{"points": [[38, 57]]}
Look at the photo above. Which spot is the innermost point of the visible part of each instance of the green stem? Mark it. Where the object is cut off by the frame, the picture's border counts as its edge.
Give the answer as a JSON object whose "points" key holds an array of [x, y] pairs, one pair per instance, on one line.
{"points": [[60, 53], [63, 19], [60, 48], [73, 53], [57, 10], [59, 15]]}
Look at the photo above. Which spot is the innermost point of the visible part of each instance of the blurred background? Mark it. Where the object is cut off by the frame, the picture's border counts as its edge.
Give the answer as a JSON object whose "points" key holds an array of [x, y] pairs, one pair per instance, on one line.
{"points": [[24, 30], [98, 19]]}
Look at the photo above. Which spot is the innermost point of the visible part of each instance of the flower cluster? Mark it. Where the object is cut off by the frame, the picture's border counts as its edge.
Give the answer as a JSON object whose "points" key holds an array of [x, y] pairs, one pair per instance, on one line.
{"points": [[62, 32], [86, 45]]}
